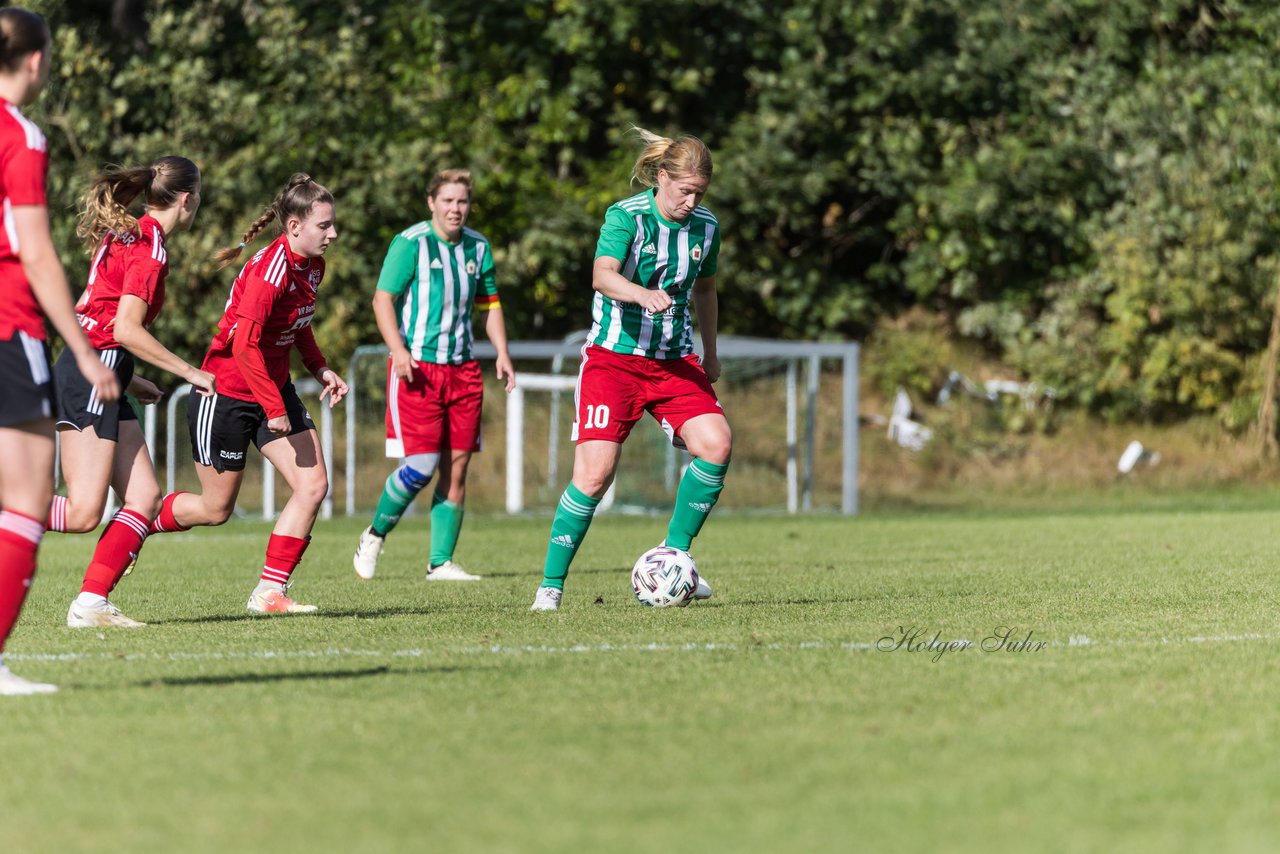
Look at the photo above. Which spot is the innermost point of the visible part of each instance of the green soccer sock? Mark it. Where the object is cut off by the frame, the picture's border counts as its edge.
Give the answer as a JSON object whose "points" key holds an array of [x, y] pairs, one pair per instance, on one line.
{"points": [[402, 486], [573, 517], [699, 491], [446, 524]]}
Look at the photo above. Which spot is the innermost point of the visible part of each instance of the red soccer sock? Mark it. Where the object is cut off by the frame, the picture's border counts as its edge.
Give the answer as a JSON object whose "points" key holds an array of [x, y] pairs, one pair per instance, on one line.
{"points": [[166, 522], [19, 538], [57, 520], [283, 556], [118, 545]]}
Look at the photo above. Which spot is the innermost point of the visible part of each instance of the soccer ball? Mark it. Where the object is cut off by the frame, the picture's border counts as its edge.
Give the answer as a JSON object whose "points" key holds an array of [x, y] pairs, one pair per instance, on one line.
{"points": [[664, 577]]}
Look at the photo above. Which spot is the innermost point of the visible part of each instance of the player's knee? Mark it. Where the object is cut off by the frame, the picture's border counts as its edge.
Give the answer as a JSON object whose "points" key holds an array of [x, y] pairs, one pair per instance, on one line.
{"points": [[313, 489], [147, 504], [593, 484], [719, 451], [82, 518], [217, 513], [715, 449]]}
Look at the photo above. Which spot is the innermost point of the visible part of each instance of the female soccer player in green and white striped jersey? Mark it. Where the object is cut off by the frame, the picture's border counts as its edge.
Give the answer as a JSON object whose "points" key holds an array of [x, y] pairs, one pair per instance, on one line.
{"points": [[657, 254], [435, 273]]}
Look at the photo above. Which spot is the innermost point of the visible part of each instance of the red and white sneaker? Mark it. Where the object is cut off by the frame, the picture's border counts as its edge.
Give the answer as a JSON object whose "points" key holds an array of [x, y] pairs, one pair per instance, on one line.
{"points": [[271, 598]]}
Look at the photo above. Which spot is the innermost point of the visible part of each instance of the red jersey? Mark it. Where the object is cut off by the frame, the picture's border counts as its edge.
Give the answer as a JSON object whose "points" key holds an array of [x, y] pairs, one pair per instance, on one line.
{"points": [[277, 290], [24, 163], [133, 264]]}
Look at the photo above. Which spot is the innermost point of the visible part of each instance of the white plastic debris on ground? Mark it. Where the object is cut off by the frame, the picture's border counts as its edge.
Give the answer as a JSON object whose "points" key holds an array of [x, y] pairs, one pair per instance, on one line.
{"points": [[1135, 453], [909, 434]]}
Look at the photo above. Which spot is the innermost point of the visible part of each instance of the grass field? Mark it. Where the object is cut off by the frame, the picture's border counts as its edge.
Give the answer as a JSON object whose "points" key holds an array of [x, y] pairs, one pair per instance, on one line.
{"points": [[446, 717]]}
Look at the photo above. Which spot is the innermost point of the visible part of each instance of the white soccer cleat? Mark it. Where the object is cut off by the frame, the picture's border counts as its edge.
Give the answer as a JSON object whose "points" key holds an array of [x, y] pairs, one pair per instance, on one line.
{"points": [[704, 589], [367, 553], [99, 615], [547, 599], [450, 571], [269, 598], [16, 686]]}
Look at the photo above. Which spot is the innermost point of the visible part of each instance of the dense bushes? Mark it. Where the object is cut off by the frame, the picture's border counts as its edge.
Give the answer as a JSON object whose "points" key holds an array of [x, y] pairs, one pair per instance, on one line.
{"points": [[1087, 189]]}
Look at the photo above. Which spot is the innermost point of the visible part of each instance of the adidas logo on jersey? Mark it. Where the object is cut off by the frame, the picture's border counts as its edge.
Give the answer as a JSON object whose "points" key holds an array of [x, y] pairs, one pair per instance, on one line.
{"points": [[435, 264], [563, 540], [649, 249]]}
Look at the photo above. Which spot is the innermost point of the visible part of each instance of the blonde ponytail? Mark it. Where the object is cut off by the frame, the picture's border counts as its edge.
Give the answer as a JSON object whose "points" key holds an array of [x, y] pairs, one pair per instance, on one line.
{"points": [[684, 157], [105, 205]]}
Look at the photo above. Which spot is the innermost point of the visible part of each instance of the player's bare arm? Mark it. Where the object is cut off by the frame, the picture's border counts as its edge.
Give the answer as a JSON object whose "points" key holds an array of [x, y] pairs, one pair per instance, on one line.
{"points": [[134, 337], [495, 327], [384, 312], [706, 307], [607, 278]]}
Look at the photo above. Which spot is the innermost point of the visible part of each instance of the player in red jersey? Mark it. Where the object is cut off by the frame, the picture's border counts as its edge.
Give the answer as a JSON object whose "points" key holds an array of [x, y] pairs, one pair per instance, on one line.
{"points": [[272, 304], [33, 286], [102, 443]]}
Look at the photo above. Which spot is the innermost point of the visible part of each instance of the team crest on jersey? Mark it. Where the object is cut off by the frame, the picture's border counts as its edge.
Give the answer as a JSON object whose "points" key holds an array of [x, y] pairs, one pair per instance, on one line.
{"points": [[696, 253], [313, 279], [471, 268]]}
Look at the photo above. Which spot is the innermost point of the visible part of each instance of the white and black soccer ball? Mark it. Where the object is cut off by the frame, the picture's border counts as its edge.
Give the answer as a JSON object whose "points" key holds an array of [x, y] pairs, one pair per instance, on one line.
{"points": [[664, 578]]}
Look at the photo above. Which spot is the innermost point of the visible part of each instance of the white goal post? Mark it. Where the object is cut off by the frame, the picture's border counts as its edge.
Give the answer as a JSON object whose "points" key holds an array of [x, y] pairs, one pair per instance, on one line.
{"points": [[800, 473]]}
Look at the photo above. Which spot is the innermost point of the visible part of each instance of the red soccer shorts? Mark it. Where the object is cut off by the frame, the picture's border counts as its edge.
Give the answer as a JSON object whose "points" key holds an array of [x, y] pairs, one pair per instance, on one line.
{"points": [[614, 390], [438, 409]]}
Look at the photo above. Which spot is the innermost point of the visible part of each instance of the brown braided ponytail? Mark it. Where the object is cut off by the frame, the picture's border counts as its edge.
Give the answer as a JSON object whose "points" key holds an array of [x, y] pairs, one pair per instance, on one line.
{"points": [[297, 199]]}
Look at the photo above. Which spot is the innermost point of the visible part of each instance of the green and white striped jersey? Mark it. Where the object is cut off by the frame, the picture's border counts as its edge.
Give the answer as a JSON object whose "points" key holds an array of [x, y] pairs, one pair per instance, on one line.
{"points": [[436, 285], [655, 253]]}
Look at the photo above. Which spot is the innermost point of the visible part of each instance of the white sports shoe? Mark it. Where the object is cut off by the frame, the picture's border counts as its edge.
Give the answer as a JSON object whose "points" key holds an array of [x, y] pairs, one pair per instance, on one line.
{"points": [[450, 571], [704, 589], [15, 686], [547, 599], [367, 553], [98, 615], [269, 598]]}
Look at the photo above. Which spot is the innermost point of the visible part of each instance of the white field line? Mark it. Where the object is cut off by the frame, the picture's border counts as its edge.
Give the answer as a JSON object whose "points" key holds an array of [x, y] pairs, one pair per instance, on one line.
{"points": [[1075, 641]]}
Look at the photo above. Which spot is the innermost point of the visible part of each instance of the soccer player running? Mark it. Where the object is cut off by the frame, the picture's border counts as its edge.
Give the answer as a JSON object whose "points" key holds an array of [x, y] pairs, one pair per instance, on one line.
{"points": [[272, 304], [656, 254], [102, 444], [433, 275], [33, 286]]}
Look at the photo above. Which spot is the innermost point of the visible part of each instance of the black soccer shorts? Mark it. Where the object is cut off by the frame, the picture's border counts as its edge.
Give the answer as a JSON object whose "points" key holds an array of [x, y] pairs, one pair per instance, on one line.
{"points": [[222, 427], [78, 403], [26, 391]]}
